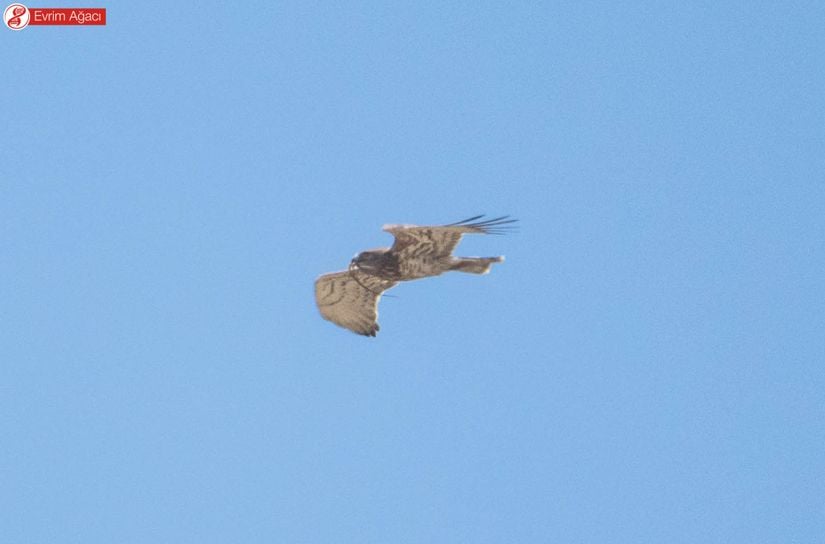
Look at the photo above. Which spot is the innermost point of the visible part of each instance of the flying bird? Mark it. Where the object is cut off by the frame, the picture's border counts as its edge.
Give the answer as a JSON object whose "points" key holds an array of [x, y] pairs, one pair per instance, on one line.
{"points": [[349, 298]]}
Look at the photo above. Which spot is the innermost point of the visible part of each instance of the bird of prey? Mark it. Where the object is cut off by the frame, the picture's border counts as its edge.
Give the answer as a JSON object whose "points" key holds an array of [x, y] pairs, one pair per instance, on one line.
{"points": [[349, 298]]}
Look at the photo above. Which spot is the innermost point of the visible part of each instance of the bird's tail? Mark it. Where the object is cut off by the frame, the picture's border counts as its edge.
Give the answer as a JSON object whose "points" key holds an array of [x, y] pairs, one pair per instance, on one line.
{"points": [[475, 265]]}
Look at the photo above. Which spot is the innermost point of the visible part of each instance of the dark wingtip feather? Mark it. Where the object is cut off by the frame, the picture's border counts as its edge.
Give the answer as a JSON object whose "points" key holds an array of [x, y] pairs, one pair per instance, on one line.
{"points": [[497, 225], [464, 221]]}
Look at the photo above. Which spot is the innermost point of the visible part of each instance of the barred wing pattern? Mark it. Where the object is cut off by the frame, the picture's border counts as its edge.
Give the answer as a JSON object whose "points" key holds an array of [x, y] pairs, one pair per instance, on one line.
{"points": [[350, 299], [440, 240]]}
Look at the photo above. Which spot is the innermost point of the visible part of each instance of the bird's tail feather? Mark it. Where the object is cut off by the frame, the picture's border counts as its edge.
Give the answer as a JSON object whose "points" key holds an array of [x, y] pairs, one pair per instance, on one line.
{"points": [[475, 265]]}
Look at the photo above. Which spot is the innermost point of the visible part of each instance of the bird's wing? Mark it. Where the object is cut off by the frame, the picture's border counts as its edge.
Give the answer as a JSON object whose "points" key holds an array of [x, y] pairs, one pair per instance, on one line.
{"points": [[350, 299], [440, 240]]}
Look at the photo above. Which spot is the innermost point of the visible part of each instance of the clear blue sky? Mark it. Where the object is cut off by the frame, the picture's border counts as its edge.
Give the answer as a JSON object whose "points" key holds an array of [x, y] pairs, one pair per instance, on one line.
{"points": [[647, 366]]}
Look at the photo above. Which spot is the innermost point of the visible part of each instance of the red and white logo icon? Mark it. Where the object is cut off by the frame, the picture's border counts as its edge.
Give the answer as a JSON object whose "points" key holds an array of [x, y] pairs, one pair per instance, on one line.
{"points": [[16, 16]]}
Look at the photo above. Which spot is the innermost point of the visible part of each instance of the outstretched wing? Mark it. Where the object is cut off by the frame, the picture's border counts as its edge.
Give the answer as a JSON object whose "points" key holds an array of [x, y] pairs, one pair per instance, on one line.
{"points": [[440, 240], [350, 299]]}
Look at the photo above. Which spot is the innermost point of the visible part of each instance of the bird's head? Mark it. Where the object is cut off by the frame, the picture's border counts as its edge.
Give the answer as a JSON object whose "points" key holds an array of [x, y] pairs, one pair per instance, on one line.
{"points": [[368, 261]]}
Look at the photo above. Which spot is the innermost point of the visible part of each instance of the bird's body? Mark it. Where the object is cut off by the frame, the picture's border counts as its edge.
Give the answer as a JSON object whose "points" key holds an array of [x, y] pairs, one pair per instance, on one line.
{"points": [[350, 298], [389, 265]]}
